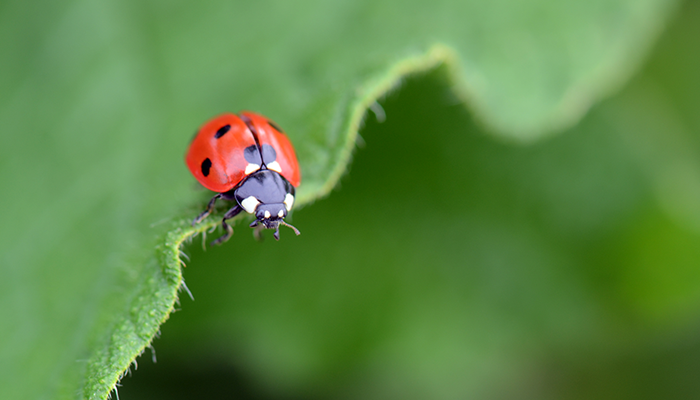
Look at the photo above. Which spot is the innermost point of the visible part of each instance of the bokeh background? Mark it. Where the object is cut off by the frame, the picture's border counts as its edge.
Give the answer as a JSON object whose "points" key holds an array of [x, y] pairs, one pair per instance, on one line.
{"points": [[456, 266], [449, 263]]}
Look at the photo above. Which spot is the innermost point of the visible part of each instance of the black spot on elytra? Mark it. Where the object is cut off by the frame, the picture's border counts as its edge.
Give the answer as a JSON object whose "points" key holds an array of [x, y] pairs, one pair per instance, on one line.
{"points": [[206, 166], [222, 131], [275, 126], [252, 155], [268, 154]]}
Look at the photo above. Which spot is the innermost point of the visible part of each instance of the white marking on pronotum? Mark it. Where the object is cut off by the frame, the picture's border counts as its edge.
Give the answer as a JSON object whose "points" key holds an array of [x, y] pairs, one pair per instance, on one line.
{"points": [[289, 201], [250, 168], [249, 204], [281, 214], [267, 214], [275, 166]]}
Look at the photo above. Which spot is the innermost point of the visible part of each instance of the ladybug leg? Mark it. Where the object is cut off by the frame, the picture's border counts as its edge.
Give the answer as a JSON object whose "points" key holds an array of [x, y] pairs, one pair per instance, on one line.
{"points": [[277, 233], [206, 212], [229, 231], [257, 231]]}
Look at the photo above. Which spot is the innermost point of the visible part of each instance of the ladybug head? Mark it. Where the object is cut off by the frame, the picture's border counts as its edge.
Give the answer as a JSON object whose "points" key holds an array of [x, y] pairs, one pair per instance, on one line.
{"points": [[271, 216], [268, 196]]}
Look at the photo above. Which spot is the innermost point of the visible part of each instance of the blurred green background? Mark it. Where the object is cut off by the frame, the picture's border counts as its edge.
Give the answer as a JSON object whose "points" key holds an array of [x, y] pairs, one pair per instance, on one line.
{"points": [[456, 266], [450, 262]]}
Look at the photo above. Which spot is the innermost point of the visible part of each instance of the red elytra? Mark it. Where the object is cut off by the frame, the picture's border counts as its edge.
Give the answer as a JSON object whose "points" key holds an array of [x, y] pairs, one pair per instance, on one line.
{"points": [[229, 151], [226, 153]]}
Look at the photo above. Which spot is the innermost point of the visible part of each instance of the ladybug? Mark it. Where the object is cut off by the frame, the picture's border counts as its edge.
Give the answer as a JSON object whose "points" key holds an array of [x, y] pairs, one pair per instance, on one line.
{"points": [[248, 159]]}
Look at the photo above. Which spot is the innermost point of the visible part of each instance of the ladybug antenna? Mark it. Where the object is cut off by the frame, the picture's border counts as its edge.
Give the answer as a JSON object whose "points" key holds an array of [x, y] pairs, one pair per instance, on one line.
{"points": [[281, 222], [291, 226]]}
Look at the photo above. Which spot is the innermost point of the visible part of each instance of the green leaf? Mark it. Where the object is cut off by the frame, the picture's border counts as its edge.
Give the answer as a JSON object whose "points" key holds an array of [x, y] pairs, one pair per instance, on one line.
{"points": [[100, 98]]}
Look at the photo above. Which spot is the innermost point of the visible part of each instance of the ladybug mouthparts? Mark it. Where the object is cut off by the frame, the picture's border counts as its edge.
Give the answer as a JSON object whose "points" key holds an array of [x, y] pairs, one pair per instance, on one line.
{"points": [[273, 223]]}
